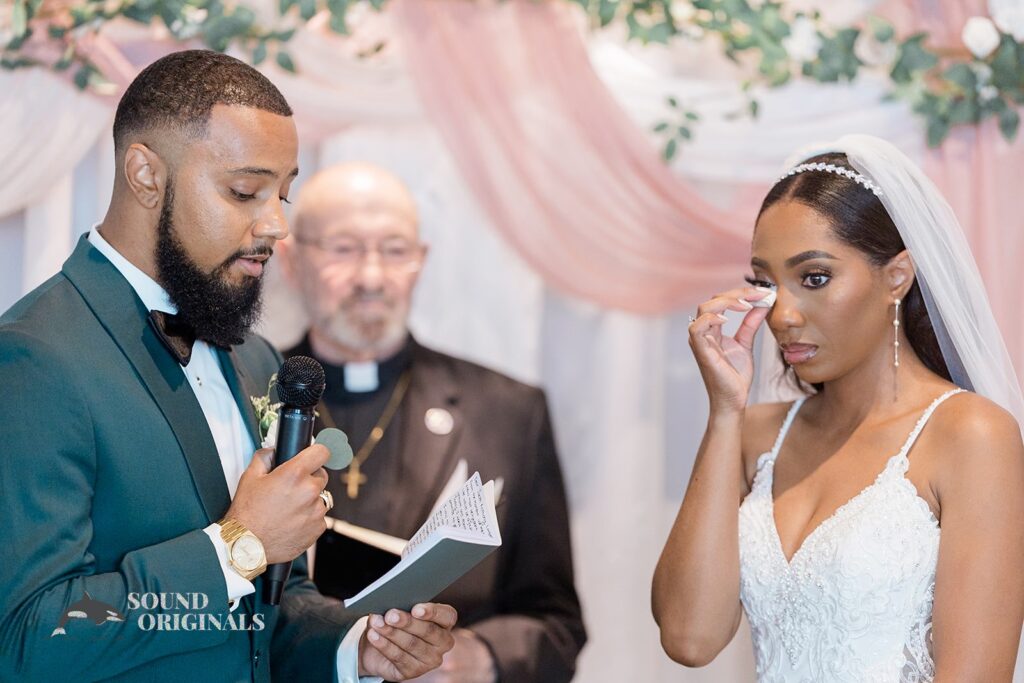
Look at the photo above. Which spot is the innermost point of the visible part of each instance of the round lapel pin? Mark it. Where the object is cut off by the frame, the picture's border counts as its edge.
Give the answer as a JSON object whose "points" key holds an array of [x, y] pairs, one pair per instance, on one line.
{"points": [[439, 421]]}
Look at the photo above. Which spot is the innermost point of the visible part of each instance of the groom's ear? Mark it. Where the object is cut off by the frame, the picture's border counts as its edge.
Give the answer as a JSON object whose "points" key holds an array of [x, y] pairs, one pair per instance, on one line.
{"points": [[899, 274], [146, 175]]}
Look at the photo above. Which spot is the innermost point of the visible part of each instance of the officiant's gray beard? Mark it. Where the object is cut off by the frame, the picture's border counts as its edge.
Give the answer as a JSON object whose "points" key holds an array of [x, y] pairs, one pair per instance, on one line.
{"points": [[220, 312], [375, 336]]}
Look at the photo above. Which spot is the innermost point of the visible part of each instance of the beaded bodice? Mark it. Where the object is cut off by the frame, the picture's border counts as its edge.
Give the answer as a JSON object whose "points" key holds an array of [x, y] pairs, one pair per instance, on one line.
{"points": [[855, 601]]}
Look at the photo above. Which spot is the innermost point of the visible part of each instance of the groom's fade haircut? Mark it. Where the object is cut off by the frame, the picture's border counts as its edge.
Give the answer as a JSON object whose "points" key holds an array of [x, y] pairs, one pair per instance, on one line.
{"points": [[179, 92]]}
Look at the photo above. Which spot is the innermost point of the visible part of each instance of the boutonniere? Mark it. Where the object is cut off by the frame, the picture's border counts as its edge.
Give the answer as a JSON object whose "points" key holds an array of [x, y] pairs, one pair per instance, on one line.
{"points": [[266, 415]]}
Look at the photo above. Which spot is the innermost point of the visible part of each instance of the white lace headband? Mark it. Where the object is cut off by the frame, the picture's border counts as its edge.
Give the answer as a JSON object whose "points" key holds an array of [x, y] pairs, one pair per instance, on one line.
{"points": [[837, 170]]}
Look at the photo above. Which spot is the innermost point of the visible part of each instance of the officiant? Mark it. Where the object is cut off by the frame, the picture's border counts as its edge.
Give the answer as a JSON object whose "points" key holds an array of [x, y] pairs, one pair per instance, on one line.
{"points": [[413, 416]]}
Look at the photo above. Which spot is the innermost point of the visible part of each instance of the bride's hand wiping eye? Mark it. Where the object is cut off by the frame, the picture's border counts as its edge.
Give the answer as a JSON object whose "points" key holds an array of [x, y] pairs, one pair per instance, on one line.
{"points": [[727, 363]]}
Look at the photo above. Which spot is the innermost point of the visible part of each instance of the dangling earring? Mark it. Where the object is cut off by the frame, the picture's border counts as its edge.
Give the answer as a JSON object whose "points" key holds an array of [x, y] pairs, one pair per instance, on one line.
{"points": [[896, 350]]}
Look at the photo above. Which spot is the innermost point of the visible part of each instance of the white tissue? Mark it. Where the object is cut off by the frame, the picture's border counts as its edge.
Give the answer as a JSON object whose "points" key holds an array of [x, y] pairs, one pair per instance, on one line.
{"points": [[767, 301]]}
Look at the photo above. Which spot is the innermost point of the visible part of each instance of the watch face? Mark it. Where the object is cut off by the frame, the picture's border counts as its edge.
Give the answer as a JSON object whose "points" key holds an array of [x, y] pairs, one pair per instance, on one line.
{"points": [[247, 553]]}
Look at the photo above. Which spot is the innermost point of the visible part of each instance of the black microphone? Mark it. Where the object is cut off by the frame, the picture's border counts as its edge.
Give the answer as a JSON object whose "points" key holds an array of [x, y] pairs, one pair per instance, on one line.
{"points": [[300, 384]]}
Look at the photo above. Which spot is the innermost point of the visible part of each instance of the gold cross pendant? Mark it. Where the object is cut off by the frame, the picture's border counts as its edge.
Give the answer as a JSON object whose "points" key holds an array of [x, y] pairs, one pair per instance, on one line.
{"points": [[353, 480]]}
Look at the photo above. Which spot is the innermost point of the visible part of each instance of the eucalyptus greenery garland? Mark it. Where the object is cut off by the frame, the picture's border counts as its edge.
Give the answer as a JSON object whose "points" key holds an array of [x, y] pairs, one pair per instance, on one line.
{"points": [[775, 46]]}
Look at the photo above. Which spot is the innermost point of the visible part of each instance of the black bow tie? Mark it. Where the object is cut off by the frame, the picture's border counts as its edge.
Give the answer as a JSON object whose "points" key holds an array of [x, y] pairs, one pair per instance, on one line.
{"points": [[176, 334]]}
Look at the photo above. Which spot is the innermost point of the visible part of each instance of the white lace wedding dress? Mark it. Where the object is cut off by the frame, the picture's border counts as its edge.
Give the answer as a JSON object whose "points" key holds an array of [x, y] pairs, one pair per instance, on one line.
{"points": [[855, 601]]}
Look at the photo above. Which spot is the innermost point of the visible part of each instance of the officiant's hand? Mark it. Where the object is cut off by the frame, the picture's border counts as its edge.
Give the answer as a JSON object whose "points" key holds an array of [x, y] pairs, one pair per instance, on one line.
{"points": [[727, 363], [470, 661], [399, 646]]}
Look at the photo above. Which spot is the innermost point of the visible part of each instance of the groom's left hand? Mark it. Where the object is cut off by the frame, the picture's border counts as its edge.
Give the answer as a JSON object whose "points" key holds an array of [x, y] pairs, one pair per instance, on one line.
{"points": [[401, 645]]}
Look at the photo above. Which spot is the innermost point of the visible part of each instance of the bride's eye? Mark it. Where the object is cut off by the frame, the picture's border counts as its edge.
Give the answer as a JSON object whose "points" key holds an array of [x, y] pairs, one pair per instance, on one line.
{"points": [[756, 282], [816, 280]]}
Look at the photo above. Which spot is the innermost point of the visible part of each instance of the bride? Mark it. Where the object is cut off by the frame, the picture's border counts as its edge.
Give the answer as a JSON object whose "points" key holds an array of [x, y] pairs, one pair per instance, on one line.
{"points": [[872, 530]]}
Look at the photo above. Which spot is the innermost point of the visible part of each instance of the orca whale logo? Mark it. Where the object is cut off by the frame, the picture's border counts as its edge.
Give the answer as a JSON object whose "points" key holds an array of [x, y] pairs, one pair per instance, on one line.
{"points": [[95, 611]]}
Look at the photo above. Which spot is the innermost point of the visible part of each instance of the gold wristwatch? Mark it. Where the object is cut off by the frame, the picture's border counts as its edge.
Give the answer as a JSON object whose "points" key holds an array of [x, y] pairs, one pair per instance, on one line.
{"points": [[245, 552]]}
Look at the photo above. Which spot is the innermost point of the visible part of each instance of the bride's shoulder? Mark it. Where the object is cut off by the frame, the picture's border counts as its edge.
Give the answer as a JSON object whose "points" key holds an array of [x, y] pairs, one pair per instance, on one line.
{"points": [[970, 432], [969, 419]]}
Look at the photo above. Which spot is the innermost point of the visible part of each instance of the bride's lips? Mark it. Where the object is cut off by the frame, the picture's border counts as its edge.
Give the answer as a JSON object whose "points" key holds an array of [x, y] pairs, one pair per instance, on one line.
{"points": [[798, 353]]}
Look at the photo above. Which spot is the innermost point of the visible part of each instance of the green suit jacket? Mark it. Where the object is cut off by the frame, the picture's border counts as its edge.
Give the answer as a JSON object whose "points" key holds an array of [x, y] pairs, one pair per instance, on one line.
{"points": [[108, 474]]}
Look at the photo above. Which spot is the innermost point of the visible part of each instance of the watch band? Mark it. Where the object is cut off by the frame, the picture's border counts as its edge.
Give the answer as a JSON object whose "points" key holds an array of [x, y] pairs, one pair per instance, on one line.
{"points": [[231, 530]]}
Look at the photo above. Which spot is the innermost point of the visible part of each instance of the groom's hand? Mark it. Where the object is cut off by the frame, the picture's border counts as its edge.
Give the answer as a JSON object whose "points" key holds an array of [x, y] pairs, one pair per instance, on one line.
{"points": [[398, 645]]}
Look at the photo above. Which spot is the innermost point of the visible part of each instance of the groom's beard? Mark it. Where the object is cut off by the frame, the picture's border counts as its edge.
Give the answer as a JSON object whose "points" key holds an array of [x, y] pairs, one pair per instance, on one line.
{"points": [[220, 312]]}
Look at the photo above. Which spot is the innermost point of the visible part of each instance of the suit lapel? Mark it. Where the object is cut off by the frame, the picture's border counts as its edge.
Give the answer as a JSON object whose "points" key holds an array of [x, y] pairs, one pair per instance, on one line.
{"points": [[242, 389], [430, 457], [121, 312]]}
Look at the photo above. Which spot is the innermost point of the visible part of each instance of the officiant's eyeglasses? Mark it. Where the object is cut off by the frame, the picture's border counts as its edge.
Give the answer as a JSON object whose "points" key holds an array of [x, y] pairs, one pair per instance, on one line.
{"points": [[393, 252]]}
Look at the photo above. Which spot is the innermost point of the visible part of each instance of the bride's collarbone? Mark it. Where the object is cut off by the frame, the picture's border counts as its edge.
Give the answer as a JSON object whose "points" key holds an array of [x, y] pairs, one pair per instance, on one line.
{"points": [[817, 471]]}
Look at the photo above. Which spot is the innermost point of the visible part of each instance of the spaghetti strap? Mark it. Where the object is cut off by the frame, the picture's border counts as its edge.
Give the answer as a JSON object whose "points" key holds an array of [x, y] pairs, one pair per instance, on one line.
{"points": [[786, 424], [924, 420]]}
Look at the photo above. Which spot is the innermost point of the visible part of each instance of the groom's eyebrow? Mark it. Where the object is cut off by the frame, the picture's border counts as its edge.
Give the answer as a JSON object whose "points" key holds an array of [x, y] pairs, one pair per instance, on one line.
{"points": [[255, 170]]}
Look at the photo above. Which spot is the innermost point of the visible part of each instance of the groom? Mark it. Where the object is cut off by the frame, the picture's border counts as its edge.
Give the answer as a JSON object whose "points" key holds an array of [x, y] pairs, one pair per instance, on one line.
{"points": [[127, 467]]}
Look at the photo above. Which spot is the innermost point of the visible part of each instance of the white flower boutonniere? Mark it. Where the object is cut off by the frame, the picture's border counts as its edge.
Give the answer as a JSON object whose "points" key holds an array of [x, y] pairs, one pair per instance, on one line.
{"points": [[266, 415]]}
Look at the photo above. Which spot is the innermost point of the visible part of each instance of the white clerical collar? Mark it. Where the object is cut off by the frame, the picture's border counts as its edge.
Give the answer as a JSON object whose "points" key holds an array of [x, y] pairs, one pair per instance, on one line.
{"points": [[153, 295], [362, 377]]}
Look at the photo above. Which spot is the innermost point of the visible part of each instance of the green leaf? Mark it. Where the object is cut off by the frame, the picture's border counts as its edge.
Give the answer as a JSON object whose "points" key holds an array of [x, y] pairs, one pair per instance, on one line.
{"points": [[964, 110], [670, 150], [82, 77], [684, 132], [692, 116], [881, 29], [307, 8], [338, 10], [938, 129], [913, 58], [284, 60], [660, 33], [56, 32], [963, 76], [65, 59], [1009, 122], [673, 102], [754, 107], [661, 127], [1006, 67], [338, 25], [606, 11], [636, 30], [284, 5], [19, 18], [259, 53]]}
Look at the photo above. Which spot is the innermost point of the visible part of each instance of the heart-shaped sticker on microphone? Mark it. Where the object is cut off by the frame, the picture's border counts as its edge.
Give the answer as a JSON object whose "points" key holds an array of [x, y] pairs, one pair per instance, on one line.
{"points": [[337, 443]]}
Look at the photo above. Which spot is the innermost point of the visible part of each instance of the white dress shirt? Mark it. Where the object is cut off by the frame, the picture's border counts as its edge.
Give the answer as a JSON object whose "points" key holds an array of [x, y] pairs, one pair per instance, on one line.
{"points": [[234, 445]]}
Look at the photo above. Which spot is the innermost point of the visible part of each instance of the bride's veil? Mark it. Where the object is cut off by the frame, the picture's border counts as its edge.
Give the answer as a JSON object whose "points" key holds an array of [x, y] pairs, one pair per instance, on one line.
{"points": [[954, 294]]}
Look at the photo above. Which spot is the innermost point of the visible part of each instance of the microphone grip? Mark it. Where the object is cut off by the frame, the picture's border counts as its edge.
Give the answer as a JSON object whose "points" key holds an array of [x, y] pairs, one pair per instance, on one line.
{"points": [[294, 433]]}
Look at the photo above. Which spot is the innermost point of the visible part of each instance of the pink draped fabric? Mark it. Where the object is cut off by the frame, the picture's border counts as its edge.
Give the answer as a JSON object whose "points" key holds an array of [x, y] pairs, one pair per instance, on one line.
{"points": [[568, 179], [572, 183]]}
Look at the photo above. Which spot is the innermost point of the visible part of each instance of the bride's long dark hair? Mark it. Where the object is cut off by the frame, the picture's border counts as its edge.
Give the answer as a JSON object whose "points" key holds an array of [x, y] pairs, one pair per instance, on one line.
{"points": [[858, 218]]}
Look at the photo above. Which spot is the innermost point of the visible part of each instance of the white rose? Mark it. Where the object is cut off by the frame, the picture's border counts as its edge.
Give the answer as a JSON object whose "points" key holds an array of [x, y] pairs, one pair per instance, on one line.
{"points": [[803, 42], [193, 15], [987, 93], [874, 52], [683, 11], [1009, 17], [980, 36]]}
